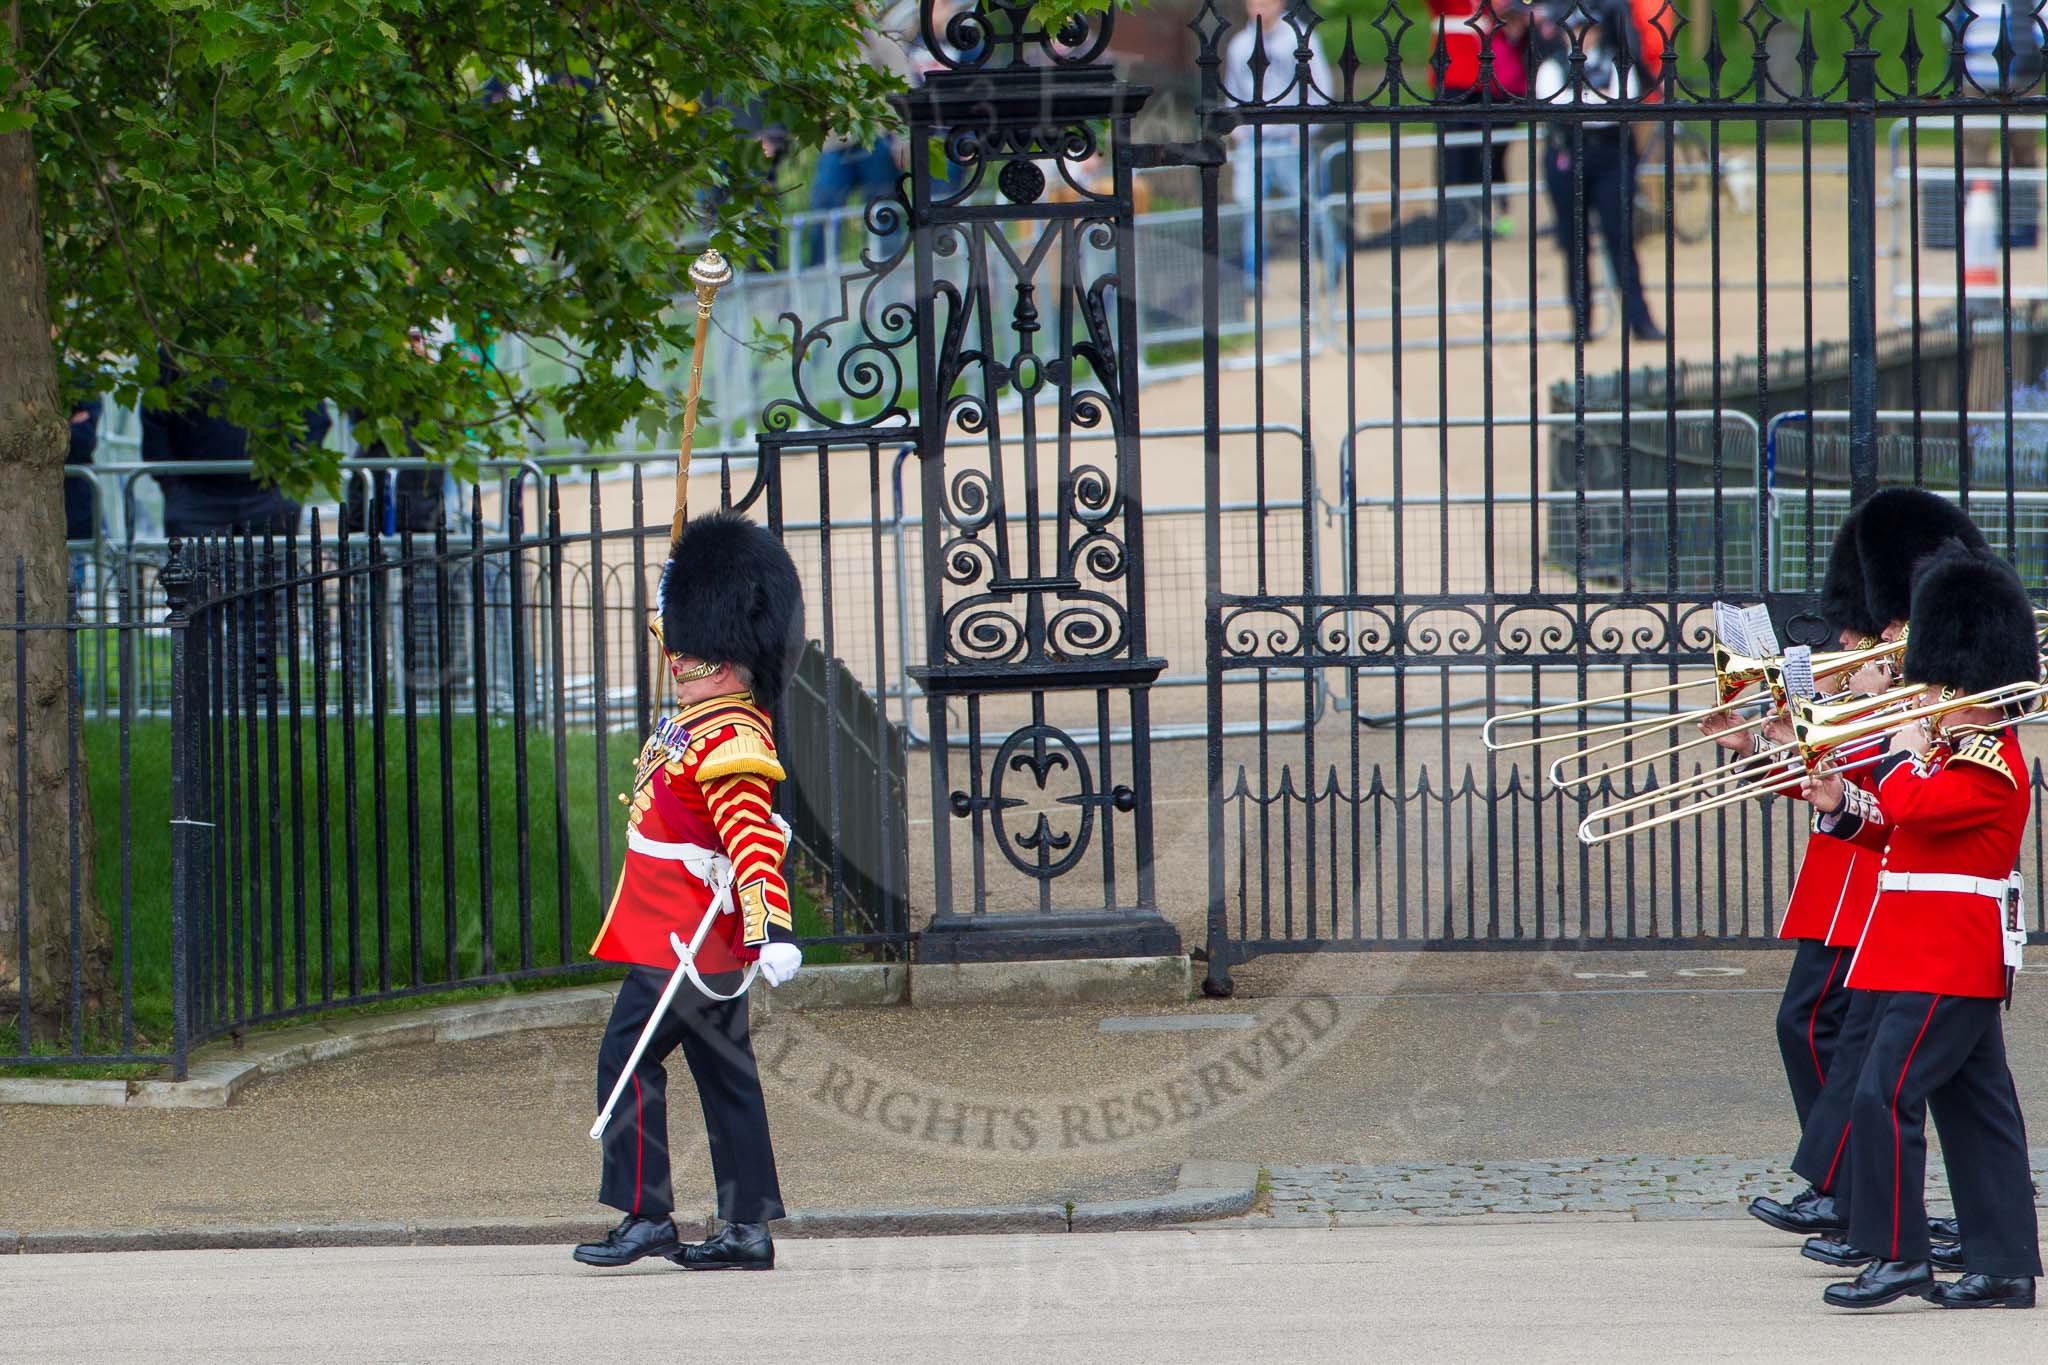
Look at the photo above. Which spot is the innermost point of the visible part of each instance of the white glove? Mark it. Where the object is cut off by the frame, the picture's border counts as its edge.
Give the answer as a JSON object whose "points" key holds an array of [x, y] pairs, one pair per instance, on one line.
{"points": [[779, 962]]}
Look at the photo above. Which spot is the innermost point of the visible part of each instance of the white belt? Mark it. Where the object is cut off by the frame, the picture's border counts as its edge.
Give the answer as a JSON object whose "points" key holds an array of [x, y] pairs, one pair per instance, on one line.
{"points": [[713, 869], [707, 865], [1943, 881]]}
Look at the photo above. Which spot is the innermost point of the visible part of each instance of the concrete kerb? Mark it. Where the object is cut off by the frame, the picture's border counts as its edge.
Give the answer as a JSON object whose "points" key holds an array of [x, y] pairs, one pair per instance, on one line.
{"points": [[219, 1071], [1207, 1189], [1092, 981]]}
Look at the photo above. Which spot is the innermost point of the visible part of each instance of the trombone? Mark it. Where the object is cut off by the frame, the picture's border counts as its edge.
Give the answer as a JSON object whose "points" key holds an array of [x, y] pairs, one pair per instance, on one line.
{"points": [[1762, 771], [1831, 663], [1733, 673], [1821, 731]]}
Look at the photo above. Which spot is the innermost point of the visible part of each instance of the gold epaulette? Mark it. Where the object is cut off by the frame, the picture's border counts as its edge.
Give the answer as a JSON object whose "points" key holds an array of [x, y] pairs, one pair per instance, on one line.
{"points": [[1985, 751], [738, 744]]}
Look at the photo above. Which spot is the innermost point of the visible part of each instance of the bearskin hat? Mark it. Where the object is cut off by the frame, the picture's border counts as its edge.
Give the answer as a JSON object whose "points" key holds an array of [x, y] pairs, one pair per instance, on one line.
{"points": [[1972, 623], [1842, 602], [730, 595], [1896, 529]]}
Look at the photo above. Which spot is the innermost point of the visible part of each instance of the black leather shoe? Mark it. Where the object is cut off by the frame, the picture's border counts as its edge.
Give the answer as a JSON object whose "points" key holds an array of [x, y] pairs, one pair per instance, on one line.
{"points": [[1944, 1230], [1985, 1291], [1643, 329], [1946, 1256], [736, 1246], [1835, 1251], [1818, 1217], [631, 1240], [1880, 1283]]}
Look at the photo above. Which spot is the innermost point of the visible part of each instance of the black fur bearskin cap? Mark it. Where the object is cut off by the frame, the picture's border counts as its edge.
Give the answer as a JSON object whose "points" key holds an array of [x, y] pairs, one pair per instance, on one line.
{"points": [[1895, 530], [730, 595], [1972, 623], [1843, 604]]}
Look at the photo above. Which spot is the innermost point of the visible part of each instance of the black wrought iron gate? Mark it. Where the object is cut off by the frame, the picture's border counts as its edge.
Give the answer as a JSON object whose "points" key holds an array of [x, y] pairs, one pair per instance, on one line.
{"points": [[993, 325], [1537, 493]]}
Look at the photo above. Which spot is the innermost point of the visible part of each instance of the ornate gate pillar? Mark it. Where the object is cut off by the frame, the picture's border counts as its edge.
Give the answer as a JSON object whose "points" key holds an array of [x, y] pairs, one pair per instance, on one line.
{"points": [[1033, 535]]}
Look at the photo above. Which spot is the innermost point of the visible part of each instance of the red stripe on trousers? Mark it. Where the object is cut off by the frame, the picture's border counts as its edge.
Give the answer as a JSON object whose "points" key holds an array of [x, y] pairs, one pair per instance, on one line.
{"points": [[1896, 1181], [639, 1145], [1839, 1146], [1811, 1050]]}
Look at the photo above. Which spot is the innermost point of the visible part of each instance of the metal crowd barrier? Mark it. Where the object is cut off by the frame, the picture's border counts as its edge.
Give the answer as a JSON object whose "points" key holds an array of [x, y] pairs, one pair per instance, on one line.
{"points": [[1905, 180], [118, 565], [2019, 518]]}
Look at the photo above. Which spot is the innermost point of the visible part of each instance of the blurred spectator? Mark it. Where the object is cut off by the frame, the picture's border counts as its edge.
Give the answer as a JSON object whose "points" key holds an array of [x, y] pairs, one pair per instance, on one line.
{"points": [[81, 508], [1468, 31], [773, 141], [202, 504], [205, 504], [390, 501], [1590, 173], [1656, 28], [848, 173], [1269, 163], [923, 62]]}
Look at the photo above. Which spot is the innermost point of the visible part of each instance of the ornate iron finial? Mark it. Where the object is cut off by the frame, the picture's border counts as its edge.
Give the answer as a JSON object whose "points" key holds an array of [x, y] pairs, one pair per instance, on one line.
{"points": [[985, 35]]}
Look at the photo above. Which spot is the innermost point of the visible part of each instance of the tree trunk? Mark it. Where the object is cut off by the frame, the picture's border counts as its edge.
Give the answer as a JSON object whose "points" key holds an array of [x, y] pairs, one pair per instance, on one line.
{"points": [[33, 443]]}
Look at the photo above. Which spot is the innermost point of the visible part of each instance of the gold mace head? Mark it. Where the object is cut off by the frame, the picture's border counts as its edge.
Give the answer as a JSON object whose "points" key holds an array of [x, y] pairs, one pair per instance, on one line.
{"points": [[710, 273]]}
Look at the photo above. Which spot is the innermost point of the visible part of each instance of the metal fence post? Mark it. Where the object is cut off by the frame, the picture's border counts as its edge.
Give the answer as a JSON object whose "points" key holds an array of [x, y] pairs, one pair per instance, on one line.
{"points": [[1860, 69], [190, 826]]}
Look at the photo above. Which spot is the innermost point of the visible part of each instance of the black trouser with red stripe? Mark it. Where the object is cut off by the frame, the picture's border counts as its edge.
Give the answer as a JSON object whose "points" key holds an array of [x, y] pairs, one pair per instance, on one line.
{"points": [[715, 1042], [1823, 1155], [1810, 1018], [1947, 1051]]}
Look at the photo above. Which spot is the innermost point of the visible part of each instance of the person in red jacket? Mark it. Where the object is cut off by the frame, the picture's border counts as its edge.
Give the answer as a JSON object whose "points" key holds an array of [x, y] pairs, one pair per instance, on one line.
{"points": [[1947, 811], [1890, 534], [1865, 596], [702, 836]]}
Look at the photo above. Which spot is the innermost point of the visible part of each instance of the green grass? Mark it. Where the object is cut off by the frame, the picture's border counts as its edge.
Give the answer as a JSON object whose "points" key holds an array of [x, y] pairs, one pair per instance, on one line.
{"points": [[385, 940]]}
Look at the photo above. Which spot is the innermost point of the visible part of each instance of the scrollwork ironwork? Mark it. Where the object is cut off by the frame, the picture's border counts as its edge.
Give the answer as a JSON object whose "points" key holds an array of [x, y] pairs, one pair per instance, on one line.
{"points": [[877, 322], [1004, 34]]}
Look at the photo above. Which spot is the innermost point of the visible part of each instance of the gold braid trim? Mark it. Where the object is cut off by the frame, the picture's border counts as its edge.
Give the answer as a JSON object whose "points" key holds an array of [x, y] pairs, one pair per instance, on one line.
{"points": [[1985, 751], [739, 751]]}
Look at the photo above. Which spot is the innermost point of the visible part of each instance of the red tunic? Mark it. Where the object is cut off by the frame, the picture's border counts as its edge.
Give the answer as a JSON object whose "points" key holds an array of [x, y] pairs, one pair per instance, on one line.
{"points": [[1836, 884], [1964, 815], [709, 780], [1833, 893]]}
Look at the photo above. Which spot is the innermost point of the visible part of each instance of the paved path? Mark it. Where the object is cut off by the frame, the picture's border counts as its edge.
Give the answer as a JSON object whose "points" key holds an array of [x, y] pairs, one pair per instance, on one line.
{"points": [[1643, 1187], [1353, 1059], [1573, 1291]]}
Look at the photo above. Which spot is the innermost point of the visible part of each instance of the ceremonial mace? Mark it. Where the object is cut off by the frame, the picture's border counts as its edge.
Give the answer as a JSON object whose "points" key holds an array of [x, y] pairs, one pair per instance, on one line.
{"points": [[709, 273]]}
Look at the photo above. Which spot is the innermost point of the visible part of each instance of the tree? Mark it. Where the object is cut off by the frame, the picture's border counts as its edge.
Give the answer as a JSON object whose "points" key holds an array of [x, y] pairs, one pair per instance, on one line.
{"points": [[281, 196]]}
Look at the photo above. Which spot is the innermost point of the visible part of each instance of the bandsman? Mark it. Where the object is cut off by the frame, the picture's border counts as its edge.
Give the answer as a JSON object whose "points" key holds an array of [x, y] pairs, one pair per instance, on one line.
{"points": [[702, 835], [1866, 596], [1946, 812]]}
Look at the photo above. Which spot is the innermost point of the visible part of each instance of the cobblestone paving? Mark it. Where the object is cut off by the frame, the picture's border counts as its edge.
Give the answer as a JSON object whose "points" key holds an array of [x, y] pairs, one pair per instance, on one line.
{"points": [[1637, 1186]]}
